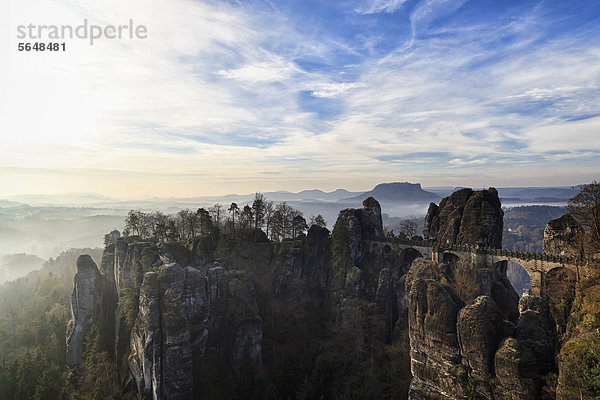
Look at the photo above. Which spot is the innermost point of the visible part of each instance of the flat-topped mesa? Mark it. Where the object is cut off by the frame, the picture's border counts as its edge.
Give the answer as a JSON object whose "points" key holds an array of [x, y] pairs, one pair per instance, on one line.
{"points": [[466, 217], [86, 303]]}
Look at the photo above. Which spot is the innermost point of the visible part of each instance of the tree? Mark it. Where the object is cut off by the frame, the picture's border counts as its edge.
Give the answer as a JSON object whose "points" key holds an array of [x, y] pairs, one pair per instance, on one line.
{"points": [[172, 230], [246, 217], [188, 221], [233, 210], [281, 220], [160, 222], [205, 221], [318, 221], [408, 228], [133, 223], [269, 208], [258, 207], [216, 213], [298, 225], [585, 208]]}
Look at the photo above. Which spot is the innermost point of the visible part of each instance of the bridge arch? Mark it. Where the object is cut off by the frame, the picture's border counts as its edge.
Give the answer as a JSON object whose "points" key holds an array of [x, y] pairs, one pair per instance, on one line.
{"points": [[387, 249], [516, 273], [407, 256], [450, 258]]}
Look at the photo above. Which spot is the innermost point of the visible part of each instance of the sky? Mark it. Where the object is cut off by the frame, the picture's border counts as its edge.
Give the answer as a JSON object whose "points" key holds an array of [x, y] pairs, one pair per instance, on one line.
{"points": [[260, 95]]}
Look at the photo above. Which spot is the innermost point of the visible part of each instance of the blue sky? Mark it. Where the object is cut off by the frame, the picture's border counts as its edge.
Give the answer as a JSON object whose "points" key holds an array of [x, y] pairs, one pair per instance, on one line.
{"points": [[243, 96]]}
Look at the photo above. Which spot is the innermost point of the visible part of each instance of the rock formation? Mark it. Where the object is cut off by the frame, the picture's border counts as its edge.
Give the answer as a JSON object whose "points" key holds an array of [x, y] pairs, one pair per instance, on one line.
{"points": [[362, 224], [563, 236], [86, 302], [434, 350], [399, 191], [457, 349], [479, 330], [466, 217], [386, 301], [536, 329], [180, 313], [161, 353], [516, 371]]}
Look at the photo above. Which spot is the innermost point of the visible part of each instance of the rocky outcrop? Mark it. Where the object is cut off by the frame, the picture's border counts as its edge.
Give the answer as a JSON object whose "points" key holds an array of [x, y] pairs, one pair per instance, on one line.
{"points": [[434, 350], [386, 301], [145, 362], [456, 349], [516, 371], [181, 311], [161, 354], [355, 286], [247, 345], [563, 236], [128, 267], [536, 329], [370, 219], [505, 296], [86, 303], [466, 217], [479, 330], [362, 224]]}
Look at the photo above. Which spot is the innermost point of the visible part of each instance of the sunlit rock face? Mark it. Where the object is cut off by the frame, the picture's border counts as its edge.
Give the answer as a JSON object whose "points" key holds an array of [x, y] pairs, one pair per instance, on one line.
{"points": [[86, 302], [563, 236], [466, 217]]}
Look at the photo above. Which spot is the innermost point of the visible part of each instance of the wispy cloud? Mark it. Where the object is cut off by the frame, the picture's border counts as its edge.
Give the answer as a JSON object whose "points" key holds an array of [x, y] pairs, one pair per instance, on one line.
{"points": [[377, 6], [255, 97], [332, 90]]}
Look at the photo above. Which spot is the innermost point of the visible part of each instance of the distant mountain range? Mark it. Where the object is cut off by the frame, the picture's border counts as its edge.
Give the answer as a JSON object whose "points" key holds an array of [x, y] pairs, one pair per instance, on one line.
{"points": [[394, 192]]}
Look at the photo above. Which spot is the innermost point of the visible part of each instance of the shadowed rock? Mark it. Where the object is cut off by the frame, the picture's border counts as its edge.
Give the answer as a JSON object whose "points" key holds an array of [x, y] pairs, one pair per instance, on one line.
{"points": [[86, 302], [563, 236], [466, 217]]}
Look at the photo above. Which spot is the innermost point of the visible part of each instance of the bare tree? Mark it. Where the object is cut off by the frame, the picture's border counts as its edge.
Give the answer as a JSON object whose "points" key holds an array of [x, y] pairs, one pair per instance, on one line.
{"points": [[269, 208], [216, 212], [585, 208], [409, 228]]}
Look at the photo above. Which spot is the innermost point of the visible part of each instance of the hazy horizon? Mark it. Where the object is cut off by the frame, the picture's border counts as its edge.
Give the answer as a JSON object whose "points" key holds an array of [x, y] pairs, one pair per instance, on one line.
{"points": [[12, 197]]}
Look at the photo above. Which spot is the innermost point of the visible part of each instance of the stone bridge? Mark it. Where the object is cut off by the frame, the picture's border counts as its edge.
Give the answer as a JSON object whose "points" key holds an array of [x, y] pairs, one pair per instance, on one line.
{"points": [[537, 265]]}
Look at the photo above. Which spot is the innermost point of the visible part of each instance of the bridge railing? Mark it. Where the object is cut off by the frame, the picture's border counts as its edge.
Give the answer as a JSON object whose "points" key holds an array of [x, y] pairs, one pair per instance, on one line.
{"points": [[522, 255]]}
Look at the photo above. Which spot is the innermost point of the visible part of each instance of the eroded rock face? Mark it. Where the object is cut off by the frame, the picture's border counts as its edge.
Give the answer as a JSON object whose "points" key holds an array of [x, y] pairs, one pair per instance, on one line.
{"points": [[505, 296], [179, 309], [479, 329], [86, 302], [247, 346], [536, 329], [362, 224], [180, 312], [455, 347], [516, 371], [563, 236], [466, 217], [146, 339], [370, 219], [434, 350], [386, 301]]}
